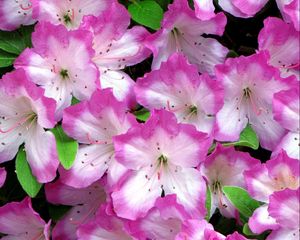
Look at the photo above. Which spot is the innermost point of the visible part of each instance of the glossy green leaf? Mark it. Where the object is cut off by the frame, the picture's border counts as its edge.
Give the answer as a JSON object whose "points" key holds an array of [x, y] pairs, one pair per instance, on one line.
{"points": [[148, 13], [28, 182], [66, 147], [16, 41], [241, 199], [248, 138], [6, 59], [142, 114]]}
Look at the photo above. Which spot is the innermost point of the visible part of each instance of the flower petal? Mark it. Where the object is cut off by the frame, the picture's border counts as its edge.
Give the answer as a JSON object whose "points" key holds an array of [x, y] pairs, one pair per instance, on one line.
{"points": [[42, 154]]}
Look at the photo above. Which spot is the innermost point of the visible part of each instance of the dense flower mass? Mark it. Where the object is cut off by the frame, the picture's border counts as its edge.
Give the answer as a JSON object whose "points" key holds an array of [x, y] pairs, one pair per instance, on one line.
{"points": [[149, 120]]}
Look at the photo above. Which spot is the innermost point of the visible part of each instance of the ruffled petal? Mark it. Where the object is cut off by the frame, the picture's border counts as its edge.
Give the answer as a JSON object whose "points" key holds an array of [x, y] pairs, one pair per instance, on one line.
{"points": [[14, 14], [280, 39], [261, 221], [204, 9], [136, 196], [20, 221], [284, 207], [42, 154], [121, 84], [289, 143], [90, 164]]}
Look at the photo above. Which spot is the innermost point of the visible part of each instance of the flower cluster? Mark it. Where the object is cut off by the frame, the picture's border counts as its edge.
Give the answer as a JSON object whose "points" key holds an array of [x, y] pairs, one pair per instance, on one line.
{"points": [[168, 175]]}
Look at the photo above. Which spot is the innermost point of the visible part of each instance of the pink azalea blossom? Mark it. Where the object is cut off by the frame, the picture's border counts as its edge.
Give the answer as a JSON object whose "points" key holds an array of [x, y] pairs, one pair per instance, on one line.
{"points": [[163, 221], [67, 12], [290, 11], [275, 175], [204, 9], [25, 112], [104, 226], [15, 13], [225, 167], [94, 123], [177, 87], [249, 86], [161, 155], [182, 32], [281, 40], [242, 8], [2, 176], [19, 221], [61, 63], [85, 203], [286, 112], [193, 229], [116, 48], [284, 208], [263, 180]]}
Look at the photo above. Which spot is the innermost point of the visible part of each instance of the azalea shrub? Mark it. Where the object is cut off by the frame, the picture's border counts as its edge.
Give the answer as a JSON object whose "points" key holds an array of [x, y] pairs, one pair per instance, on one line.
{"points": [[149, 119]]}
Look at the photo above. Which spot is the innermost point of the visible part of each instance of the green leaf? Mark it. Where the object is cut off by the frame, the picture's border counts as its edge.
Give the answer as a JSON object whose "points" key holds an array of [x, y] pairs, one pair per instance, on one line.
{"points": [[6, 59], [148, 13], [16, 41], [240, 198], [142, 114], [247, 231], [66, 147], [248, 138], [74, 101], [28, 182], [208, 202]]}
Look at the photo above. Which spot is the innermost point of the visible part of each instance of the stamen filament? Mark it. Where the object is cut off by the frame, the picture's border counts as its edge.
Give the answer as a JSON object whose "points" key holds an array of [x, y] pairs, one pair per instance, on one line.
{"points": [[17, 124], [73, 14], [291, 66]]}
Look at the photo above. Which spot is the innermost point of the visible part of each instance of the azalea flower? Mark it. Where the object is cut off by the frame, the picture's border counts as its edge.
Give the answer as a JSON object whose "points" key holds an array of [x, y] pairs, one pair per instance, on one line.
{"points": [[160, 156], [19, 221], [94, 123], [60, 62], [249, 85], [262, 180], [281, 40], [2, 176], [163, 221], [104, 226], [182, 32], [85, 203], [286, 112], [238, 8], [177, 87], [284, 208], [290, 11], [116, 48], [242, 8], [15, 13], [225, 167], [67, 12], [25, 112]]}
